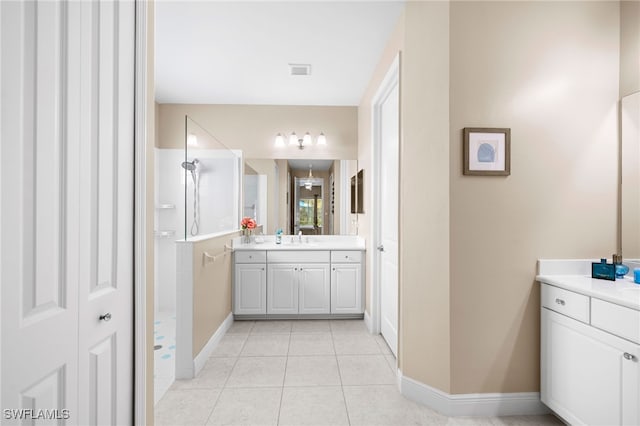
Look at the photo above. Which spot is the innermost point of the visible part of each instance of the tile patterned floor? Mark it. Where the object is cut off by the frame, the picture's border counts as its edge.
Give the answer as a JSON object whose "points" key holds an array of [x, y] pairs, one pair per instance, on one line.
{"points": [[164, 358], [312, 372]]}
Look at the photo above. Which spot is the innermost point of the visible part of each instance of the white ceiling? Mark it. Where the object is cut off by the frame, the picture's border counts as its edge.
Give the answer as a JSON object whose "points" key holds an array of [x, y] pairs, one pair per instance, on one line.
{"points": [[317, 165], [238, 52]]}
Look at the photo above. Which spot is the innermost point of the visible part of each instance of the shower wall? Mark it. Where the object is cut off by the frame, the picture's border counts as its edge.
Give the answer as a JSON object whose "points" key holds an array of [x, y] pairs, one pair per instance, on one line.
{"points": [[219, 187]]}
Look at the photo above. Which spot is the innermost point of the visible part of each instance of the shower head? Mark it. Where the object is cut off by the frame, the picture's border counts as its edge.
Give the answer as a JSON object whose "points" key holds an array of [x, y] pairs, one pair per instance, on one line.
{"points": [[190, 165]]}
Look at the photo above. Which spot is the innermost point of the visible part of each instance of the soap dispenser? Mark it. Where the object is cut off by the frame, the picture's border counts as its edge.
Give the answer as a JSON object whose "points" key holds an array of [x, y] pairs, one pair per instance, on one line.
{"points": [[621, 270], [279, 236]]}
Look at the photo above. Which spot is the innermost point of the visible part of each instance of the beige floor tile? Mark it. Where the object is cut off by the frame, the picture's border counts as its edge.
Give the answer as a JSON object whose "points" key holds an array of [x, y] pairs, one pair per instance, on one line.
{"points": [[382, 344], [544, 420], [240, 327], [313, 406], [247, 407], [365, 370], [355, 344], [311, 344], [383, 405], [229, 346], [312, 371], [266, 345], [185, 407], [257, 372], [310, 326], [348, 326], [469, 421], [213, 375], [391, 360], [277, 327]]}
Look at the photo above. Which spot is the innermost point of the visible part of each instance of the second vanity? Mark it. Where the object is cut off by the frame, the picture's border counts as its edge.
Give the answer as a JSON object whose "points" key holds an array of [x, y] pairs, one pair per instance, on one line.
{"points": [[308, 277], [590, 345]]}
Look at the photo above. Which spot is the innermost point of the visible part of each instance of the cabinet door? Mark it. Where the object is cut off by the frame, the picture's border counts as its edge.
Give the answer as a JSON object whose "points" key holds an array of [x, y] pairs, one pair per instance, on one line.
{"points": [[250, 288], [588, 376], [346, 289], [314, 289], [282, 289]]}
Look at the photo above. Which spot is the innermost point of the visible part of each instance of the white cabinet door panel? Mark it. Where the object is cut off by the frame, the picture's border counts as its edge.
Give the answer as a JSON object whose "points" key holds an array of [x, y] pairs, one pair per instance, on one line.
{"points": [[314, 289], [250, 290], [346, 289], [282, 289], [584, 373]]}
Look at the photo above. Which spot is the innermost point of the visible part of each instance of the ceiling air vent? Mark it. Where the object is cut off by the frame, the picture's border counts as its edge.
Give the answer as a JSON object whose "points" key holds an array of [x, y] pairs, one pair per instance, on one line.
{"points": [[300, 69]]}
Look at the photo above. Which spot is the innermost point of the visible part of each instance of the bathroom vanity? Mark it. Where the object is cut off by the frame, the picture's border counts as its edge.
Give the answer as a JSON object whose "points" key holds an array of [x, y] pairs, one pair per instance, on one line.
{"points": [[321, 277], [590, 345]]}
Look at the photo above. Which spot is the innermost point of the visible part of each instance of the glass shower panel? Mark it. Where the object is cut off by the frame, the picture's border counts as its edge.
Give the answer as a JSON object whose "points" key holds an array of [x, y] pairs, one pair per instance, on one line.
{"points": [[212, 179]]}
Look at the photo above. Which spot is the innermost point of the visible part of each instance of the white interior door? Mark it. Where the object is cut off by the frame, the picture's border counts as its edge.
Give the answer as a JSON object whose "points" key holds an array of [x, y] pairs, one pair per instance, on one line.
{"points": [[388, 125], [67, 217]]}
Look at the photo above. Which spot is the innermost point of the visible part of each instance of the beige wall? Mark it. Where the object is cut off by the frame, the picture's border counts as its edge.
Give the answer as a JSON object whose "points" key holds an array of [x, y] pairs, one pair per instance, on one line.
{"points": [[150, 210], [424, 213], [211, 289], [365, 161], [629, 47], [548, 71], [469, 307], [252, 128]]}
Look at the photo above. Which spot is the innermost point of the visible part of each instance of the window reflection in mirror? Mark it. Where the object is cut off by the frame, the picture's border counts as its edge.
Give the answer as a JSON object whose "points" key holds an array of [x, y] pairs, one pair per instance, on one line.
{"points": [[280, 194]]}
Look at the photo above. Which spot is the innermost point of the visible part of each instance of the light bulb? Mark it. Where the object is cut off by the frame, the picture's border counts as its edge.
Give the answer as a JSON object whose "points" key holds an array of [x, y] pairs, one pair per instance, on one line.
{"points": [[307, 139], [192, 140], [322, 139], [279, 140], [293, 139]]}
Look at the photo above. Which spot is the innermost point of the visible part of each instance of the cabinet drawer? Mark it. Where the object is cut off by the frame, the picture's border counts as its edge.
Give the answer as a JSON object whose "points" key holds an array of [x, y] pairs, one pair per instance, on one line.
{"points": [[619, 320], [346, 256], [566, 302], [301, 256], [250, 256]]}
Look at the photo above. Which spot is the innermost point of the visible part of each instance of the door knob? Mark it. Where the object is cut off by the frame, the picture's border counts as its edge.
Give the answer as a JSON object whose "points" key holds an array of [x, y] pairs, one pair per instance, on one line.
{"points": [[105, 317], [380, 248], [629, 356]]}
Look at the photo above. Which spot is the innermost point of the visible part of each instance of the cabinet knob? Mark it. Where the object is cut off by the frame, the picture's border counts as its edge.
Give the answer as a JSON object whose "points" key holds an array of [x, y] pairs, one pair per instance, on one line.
{"points": [[560, 302], [105, 317], [295, 269], [334, 269], [629, 356]]}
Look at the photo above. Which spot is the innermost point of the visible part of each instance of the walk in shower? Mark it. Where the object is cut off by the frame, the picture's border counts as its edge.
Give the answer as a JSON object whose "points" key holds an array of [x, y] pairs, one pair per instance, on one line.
{"points": [[197, 196]]}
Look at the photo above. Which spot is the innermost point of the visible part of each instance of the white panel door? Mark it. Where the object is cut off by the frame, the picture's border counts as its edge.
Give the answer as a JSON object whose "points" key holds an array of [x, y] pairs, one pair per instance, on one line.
{"points": [[388, 249], [314, 289], [282, 288], [67, 173], [346, 289], [39, 196], [250, 289]]}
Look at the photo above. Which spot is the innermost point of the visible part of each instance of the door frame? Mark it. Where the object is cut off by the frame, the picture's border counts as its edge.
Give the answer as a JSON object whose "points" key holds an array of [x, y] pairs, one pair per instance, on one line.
{"points": [[140, 217], [390, 81]]}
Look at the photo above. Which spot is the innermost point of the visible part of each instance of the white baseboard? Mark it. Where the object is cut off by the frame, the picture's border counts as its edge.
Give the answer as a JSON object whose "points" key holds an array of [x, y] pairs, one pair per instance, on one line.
{"points": [[201, 359], [367, 322], [476, 404]]}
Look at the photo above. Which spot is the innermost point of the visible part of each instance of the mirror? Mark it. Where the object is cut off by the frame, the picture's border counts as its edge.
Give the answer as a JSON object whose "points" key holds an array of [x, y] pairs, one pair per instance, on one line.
{"points": [[302, 195], [630, 171]]}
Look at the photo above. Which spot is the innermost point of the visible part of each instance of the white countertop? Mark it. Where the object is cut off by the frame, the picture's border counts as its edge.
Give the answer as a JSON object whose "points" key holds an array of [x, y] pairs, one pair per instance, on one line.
{"points": [[325, 242], [622, 292]]}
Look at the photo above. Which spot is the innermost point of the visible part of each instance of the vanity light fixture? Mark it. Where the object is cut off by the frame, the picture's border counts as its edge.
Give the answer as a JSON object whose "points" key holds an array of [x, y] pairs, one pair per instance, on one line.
{"points": [[309, 183], [302, 142]]}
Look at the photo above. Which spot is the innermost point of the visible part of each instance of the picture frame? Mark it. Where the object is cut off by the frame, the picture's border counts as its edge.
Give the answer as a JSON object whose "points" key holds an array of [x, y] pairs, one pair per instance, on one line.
{"points": [[486, 151]]}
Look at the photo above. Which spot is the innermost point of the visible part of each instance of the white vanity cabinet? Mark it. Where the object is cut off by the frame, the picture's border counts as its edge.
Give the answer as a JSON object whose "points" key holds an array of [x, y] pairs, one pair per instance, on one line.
{"points": [[298, 283], [346, 282], [250, 283], [298, 288], [588, 375]]}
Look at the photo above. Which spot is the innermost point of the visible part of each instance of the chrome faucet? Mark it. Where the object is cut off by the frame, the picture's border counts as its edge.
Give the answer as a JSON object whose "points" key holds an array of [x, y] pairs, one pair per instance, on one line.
{"points": [[300, 236]]}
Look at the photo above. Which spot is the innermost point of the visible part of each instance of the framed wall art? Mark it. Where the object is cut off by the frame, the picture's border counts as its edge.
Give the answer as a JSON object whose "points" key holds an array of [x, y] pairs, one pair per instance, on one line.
{"points": [[487, 151]]}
